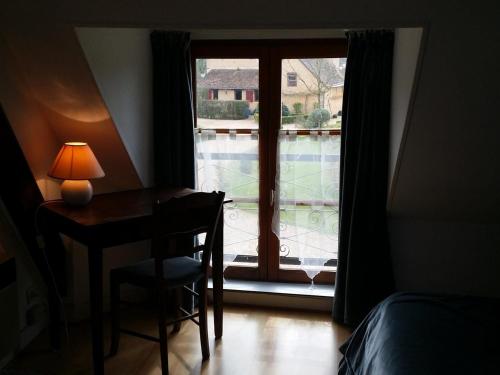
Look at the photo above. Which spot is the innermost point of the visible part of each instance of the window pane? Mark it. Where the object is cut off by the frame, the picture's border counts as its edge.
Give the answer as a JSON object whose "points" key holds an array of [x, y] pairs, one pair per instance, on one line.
{"points": [[227, 160], [308, 163], [308, 206], [312, 92], [220, 99]]}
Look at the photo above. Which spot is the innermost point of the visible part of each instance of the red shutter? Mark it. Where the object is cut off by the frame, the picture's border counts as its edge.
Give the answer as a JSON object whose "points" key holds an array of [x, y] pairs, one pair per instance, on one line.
{"points": [[210, 94], [249, 95]]}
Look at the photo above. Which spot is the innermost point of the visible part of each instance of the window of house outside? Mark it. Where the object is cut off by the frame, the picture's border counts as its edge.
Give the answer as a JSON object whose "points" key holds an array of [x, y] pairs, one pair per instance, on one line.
{"points": [[237, 95], [291, 79]]}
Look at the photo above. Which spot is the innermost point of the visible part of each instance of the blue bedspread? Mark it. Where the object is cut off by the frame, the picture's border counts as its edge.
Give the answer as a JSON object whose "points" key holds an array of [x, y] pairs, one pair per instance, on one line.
{"points": [[410, 333]]}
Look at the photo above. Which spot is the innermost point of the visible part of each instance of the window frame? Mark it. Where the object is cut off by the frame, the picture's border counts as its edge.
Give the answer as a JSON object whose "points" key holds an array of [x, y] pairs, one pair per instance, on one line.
{"points": [[269, 53]]}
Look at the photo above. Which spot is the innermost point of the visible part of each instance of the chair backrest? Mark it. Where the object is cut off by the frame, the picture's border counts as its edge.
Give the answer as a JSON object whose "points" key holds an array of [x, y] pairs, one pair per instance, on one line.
{"points": [[177, 221]]}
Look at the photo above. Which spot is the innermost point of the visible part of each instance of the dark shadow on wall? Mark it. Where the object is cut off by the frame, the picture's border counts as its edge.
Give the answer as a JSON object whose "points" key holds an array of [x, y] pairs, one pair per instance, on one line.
{"points": [[21, 197]]}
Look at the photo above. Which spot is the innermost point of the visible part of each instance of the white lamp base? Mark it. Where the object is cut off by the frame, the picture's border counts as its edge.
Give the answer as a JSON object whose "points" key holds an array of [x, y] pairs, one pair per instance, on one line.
{"points": [[77, 192]]}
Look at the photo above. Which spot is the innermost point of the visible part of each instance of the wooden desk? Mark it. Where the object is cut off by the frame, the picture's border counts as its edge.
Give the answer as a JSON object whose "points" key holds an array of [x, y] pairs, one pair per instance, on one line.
{"points": [[109, 220]]}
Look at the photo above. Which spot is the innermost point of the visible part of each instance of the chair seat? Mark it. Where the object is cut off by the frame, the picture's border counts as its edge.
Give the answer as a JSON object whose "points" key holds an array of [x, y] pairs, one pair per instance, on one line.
{"points": [[177, 272]]}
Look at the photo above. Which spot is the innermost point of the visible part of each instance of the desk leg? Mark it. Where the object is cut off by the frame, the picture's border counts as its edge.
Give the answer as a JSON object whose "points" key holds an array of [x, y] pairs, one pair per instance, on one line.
{"points": [[96, 306], [218, 278]]}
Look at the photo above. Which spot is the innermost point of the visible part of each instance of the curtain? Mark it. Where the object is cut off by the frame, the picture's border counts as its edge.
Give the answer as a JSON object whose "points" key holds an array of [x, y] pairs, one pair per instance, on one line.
{"points": [[306, 218], [173, 116], [364, 273], [229, 162], [173, 119]]}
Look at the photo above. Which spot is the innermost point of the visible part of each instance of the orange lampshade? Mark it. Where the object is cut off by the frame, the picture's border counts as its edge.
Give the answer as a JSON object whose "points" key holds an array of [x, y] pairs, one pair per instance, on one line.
{"points": [[76, 161]]}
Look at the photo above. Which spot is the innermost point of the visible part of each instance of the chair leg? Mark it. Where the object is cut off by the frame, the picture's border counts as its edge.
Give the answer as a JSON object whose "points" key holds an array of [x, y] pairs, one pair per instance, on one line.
{"points": [[177, 303], [115, 315], [162, 328], [202, 305]]}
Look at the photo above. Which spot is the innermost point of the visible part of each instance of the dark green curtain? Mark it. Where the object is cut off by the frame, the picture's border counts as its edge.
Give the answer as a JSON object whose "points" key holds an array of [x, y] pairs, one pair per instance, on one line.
{"points": [[173, 122], [364, 273], [173, 116]]}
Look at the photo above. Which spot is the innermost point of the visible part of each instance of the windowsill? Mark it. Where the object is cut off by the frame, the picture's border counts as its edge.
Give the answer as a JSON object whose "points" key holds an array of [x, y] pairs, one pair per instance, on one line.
{"points": [[275, 288]]}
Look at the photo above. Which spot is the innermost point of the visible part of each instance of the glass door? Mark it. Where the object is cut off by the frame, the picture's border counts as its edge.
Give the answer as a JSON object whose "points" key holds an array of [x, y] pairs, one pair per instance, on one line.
{"points": [[307, 181], [227, 85], [268, 134]]}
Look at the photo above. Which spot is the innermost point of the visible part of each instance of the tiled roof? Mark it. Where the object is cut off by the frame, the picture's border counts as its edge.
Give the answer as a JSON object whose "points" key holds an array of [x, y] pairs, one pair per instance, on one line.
{"points": [[328, 72], [230, 79]]}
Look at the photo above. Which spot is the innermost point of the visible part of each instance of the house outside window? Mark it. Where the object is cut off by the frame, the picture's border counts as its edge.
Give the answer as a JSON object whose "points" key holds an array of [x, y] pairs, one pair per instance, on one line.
{"points": [[291, 79], [237, 95]]}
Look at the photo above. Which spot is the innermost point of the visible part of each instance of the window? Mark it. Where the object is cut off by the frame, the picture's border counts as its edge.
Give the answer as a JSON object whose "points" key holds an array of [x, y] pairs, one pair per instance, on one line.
{"points": [[291, 79], [273, 154], [213, 94]]}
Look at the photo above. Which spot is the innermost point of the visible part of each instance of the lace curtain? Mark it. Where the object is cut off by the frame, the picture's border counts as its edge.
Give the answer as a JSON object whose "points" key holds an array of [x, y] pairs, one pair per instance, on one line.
{"points": [[306, 212], [229, 162]]}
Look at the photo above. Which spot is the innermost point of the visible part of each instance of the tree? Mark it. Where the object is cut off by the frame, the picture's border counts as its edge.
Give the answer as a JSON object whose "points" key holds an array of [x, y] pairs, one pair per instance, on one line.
{"points": [[317, 118], [201, 68], [324, 73]]}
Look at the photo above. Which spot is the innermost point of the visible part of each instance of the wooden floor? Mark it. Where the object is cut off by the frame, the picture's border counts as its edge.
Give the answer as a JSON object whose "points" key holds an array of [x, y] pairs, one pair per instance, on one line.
{"points": [[255, 341]]}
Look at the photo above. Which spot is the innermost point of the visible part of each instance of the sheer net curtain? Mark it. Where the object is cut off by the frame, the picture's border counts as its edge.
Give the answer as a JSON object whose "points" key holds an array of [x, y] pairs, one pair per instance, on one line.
{"points": [[229, 163], [306, 214]]}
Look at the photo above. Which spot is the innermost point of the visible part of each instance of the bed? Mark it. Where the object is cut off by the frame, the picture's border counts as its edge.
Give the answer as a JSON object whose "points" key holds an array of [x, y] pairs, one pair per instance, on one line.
{"points": [[411, 333]]}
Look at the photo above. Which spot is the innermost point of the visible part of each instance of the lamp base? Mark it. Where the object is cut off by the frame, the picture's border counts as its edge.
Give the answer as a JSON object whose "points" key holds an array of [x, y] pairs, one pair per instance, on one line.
{"points": [[76, 192]]}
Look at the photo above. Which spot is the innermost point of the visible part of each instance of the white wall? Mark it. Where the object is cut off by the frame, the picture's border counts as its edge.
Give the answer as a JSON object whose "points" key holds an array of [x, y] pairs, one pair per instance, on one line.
{"points": [[446, 257], [77, 303], [121, 62], [62, 101], [407, 45], [33, 132]]}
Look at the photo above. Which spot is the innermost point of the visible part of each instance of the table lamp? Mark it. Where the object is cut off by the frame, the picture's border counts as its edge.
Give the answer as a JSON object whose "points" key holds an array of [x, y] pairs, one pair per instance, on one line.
{"points": [[76, 164]]}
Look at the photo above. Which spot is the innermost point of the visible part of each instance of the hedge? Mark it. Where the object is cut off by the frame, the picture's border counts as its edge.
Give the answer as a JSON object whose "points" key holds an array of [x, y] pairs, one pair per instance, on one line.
{"points": [[295, 119], [223, 109]]}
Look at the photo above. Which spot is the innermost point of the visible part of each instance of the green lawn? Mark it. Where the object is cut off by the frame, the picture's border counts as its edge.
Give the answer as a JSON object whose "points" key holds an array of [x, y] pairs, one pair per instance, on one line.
{"points": [[304, 180], [300, 180]]}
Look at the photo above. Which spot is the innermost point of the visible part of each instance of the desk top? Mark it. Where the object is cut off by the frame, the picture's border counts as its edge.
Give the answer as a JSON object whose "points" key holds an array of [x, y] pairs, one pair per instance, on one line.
{"points": [[111, 207]]}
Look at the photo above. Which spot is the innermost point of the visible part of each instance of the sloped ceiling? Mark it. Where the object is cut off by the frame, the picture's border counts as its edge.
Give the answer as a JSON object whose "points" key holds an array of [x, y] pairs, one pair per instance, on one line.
{"points": [[64, 92], [120, 60]]}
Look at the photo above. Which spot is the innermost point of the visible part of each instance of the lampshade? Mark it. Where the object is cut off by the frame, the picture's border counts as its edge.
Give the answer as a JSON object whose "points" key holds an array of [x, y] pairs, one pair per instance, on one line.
{"points": [[76, 161]]}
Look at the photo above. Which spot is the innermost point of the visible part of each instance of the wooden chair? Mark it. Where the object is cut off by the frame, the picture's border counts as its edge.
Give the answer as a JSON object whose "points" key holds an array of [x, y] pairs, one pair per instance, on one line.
{"points": [[176, 223]]}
